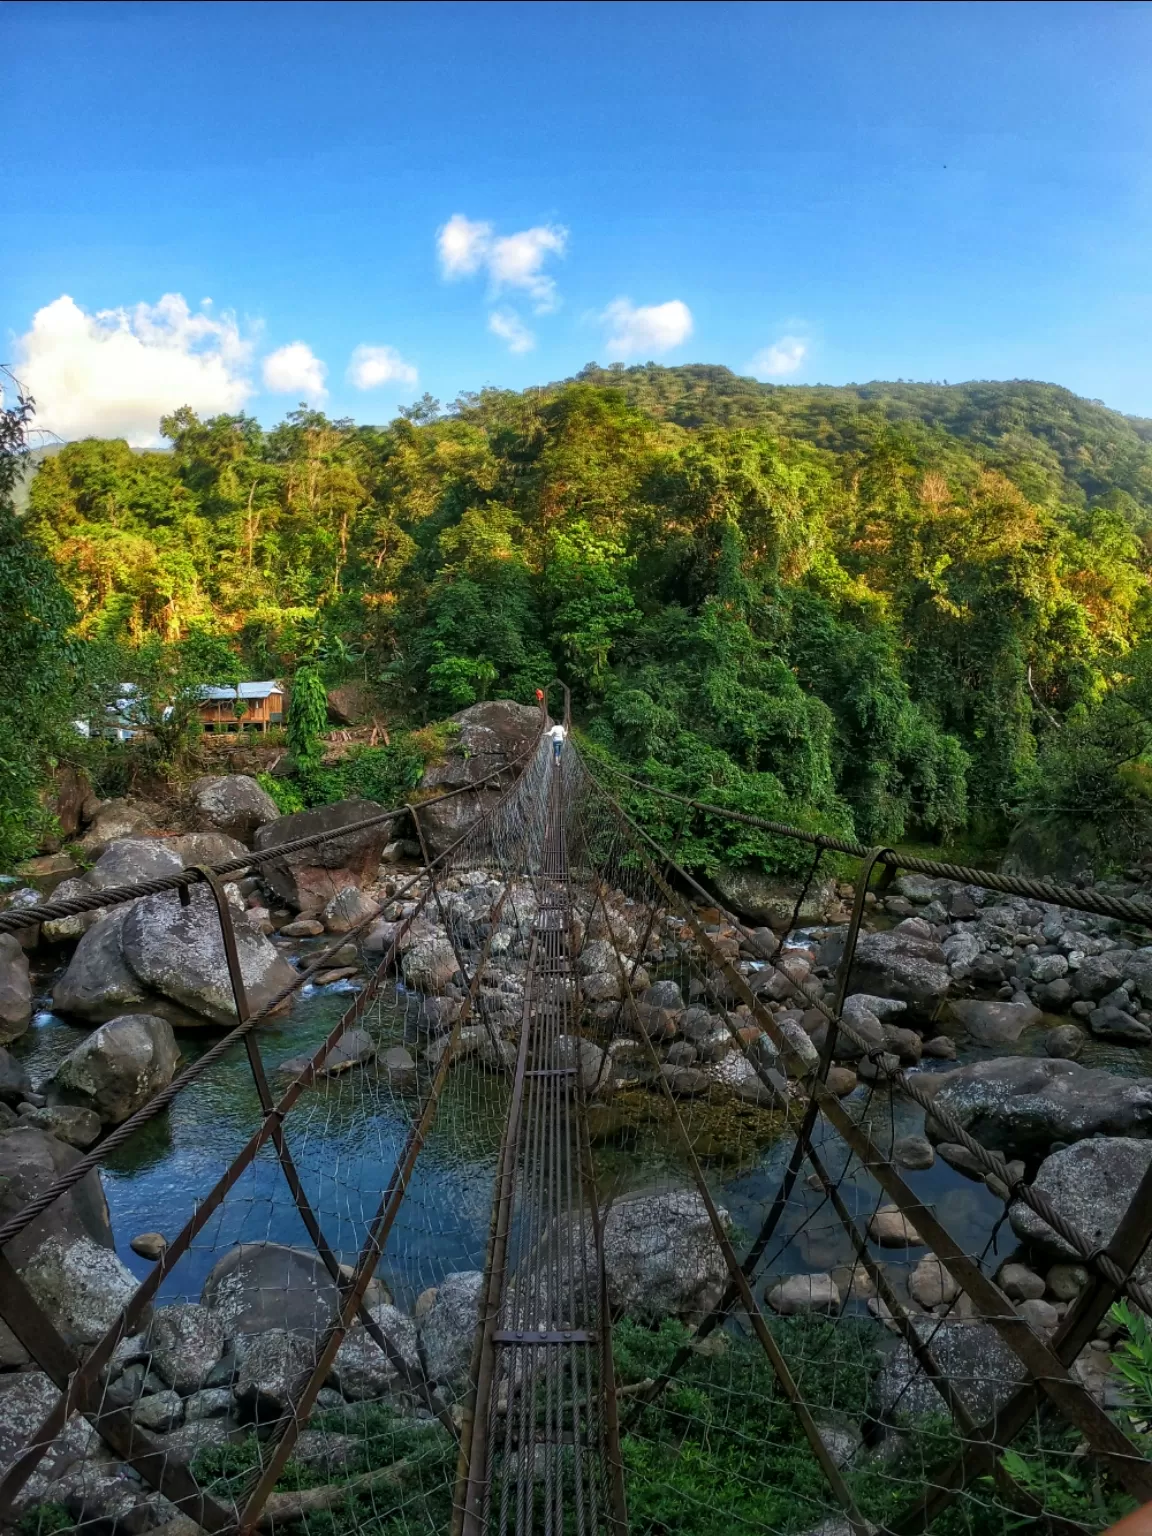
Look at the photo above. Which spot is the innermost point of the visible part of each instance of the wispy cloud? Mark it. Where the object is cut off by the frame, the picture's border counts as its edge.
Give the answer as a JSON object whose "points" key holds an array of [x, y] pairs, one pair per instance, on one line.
{"points": [[508, 325], [373, 366], [645, 329], [114, 373], [296, 370], [467, 246], [783, 357]]}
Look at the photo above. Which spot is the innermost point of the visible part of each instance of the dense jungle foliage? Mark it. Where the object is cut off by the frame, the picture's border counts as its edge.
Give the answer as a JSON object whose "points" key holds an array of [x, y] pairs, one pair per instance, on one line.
{"points": [[912, 611]]}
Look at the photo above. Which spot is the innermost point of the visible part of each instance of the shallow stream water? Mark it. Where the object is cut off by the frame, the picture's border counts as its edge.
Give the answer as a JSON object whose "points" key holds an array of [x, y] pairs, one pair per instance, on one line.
{"points": [[346, 1139]]}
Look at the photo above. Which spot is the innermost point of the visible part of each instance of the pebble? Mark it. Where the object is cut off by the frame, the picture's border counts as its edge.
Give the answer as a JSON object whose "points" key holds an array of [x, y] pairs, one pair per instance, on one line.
{"points": [[149, 1245]]}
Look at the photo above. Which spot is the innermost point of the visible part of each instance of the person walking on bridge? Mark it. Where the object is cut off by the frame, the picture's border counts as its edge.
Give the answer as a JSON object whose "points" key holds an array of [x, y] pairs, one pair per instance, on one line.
{"points": [[557, 734]]}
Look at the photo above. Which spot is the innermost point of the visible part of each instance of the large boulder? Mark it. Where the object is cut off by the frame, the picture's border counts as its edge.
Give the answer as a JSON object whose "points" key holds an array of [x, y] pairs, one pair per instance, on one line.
{"points": [[15, 989], [349, 703], [309, 878], [185, 1341], [273, 1364], [904, 966], [117, 819], [1091, 1184], [258, 1286], [429, 966], [234, 804], [491, 738], [206, 847], [980, 1366], [65, 799], [15, 1083], [448, 1328], [98, 983], [26, 1399], [178, 951], [30, 1160], [1020, 1105], [661, 1257], [82, 1285], [993, 1023], [362, 1369], [759, 898], [348, 909], [118, 1067], [130, 859]]}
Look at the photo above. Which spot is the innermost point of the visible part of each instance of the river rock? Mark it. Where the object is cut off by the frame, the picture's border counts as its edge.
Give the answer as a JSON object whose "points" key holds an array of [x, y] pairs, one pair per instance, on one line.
{"points": [[207, 848], [1099, 974], [448, 1328], [15, 1083], [904, 967], [82, 1285], [761, 899], [159, 1412], [980, 1366], [78, 1127], [1112, 1023], [130, 860], [15, 989], [185, 1341], [98, 983], [1091, 1184], [257, 1286], [179, 951], [1019, 1282], [891, 1229], [118, 1067], [348, 909], [1065, 1042], [989, 1023], [1137, 967], [308, 879], [362, 1370], [803, 1294], [1019, 1105], [355, 1048], [272, 1365], [661, 1257], [491, 738], [931, 1285], [913, 1152], [429, 966], [26, 1399], [583, 1056], [66, 930], [116, 820], [30, 1160], [1066, 1281], [234, 804]]}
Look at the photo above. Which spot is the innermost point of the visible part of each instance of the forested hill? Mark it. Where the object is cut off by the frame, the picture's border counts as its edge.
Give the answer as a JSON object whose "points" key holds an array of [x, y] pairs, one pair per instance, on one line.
{"points": [[1053, 443], [912, 611]]}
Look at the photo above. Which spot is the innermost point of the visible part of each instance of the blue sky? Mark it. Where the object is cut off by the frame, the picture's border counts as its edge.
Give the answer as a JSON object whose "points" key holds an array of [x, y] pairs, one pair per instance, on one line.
{"points": [[818, 193]]}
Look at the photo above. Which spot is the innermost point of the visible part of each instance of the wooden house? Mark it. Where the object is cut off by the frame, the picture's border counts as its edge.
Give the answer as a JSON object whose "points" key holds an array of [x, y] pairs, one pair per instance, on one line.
{"points": [[249, 707]]}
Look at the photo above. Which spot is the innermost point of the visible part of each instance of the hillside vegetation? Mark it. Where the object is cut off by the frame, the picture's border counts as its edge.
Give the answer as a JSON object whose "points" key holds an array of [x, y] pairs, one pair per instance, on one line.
{"points": [[910, 611]]}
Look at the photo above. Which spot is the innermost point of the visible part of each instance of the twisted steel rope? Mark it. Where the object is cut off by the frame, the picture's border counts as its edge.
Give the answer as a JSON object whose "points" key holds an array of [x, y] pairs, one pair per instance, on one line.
{"points": [[1126, 908]]}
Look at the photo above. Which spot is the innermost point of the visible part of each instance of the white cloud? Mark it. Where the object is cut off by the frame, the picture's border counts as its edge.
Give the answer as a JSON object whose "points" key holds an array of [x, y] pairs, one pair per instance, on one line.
{"points": [[648, 329], [372, 366], [511, 261], [116, 372], [463, 245], [295, 370], [782, 357], [508, 325]]}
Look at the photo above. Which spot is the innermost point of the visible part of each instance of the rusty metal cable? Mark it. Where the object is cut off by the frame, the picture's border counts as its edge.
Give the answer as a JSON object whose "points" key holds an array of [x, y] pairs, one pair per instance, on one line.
{"points": [[1126, 908]]}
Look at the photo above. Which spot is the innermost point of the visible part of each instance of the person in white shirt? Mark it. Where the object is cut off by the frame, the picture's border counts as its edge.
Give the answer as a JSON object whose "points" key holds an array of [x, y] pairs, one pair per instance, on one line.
{"points": [[557, 734]]}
